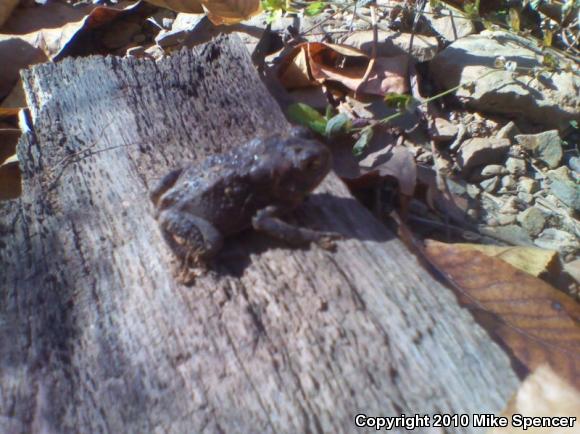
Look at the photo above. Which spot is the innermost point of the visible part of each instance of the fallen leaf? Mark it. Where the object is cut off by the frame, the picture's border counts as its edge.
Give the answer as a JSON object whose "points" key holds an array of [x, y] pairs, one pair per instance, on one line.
{"points": [[20, 50], [532, 260], [10, 181], [219, 12], [187, 6], [542, 394], [395, 161], [6, 8], [313, 63], [537, 322]]}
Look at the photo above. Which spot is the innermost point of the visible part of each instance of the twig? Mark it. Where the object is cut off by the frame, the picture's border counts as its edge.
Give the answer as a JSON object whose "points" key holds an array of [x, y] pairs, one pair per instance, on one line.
{"points": [[373, 59]]}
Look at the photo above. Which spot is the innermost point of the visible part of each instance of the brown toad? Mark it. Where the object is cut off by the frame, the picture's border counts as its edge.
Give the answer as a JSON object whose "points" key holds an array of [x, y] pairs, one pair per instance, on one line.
{"points": [[250, 186]]}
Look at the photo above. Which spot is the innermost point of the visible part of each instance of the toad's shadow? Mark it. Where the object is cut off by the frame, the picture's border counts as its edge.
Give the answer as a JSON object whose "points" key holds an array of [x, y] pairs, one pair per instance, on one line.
{"points": [[322, 211]]}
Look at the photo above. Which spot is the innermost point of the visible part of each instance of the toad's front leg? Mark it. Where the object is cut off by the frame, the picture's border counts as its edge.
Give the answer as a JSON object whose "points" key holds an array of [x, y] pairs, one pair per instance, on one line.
{"points": [[193, 239], [266, 220]]}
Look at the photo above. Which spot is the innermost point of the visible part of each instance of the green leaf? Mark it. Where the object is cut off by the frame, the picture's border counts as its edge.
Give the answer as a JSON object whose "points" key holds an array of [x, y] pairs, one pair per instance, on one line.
{"points": [[535, 4], [401, 101], [363, 141], [273, 5], [337, 124], [315, 8], [328, 112], [574, 124], [305, 115]]}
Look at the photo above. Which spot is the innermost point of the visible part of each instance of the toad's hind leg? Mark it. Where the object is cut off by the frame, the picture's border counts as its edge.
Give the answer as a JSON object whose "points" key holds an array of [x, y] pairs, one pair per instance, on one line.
{"points": [[266, 221], [193, 239]]}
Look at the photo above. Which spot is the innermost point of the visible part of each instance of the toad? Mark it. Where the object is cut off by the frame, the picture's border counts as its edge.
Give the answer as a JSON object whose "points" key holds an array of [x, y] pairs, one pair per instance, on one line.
{"points": [[251, 186]]}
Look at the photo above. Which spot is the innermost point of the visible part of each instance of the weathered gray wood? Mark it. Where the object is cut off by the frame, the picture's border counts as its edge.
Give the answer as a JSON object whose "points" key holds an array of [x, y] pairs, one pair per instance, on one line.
{"points": [[97, 336]]}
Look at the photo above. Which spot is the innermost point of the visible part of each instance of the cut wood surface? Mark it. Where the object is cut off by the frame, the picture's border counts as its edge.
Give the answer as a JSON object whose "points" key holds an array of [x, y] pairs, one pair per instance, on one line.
{"points": [[97, 336]]}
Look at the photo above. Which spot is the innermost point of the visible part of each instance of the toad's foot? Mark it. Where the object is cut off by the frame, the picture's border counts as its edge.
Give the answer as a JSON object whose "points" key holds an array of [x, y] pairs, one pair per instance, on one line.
{"points": [[189, 269], [266, 221]]}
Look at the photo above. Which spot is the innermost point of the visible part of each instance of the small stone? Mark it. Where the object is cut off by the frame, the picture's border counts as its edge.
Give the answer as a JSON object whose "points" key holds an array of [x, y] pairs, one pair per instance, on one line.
{"points": [[506, 219], [526, 197], [479, 151], [472, 214], [573, 269], [532, 220], [512, 234], [558, 240], [562, 173], [567, 191], [528, 185], [493, 170], [449, 23], [490, 185], [574, 164], [546, 146], [473, 191], [443, 130], [391, 43], [510, 206], [508, 131], [508, 182], [515, 166], [483, 172]]}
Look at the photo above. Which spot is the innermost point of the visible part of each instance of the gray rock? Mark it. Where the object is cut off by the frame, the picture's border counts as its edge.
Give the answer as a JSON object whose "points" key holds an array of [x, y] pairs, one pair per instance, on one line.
{"points": [[552, 100], [508, 131], [567, 191], [508, 182], [528, 185], [442, 130], [449, 23], [515, 166], [510, 206], [512, 234], [546, 146], [532, 220], [562, 173], [573, 269], [505, 219], [574, 164], [391, 44], [493, 170], [478, 151], [490, 185], [558, 240], [473, 191], [526, 197]]}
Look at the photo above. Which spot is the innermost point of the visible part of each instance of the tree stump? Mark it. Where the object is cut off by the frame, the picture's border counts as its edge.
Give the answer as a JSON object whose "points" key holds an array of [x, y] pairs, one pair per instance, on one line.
{"points": [[98, 336]]}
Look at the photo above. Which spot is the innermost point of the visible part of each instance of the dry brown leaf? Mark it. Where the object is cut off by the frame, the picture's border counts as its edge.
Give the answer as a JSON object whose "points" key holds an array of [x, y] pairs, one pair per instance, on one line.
{"points": [[8, 139], [395, 161], [230, 11], [532, 260], [295, 74], [41, 43], [316, 63], [543, 394], [537, 322], [6, 8], [187, 6], [10, 182], [219, 12], [389, 74]]}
